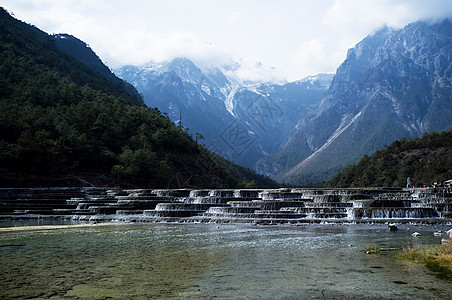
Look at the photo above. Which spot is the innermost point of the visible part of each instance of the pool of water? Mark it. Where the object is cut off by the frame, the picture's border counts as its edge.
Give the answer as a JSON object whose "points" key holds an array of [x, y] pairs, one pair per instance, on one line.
{"points": [[198, 261]]}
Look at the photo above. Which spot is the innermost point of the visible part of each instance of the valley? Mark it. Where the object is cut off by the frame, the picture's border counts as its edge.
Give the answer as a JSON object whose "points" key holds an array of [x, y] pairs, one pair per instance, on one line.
{"points": [[243, 122], [181, 150], [394, 84]]}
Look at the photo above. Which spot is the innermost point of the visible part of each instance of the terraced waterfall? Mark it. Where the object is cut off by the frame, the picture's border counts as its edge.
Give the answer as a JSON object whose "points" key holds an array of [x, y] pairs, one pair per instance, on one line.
{"points": [[268, 206]]}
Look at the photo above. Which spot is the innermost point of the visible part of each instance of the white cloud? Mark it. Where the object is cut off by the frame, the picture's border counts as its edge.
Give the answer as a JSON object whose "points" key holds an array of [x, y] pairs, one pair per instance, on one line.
{"points": [[139, 46], [348, 16], [250, 71], [234, 18], [315, 56], [297, 37]]}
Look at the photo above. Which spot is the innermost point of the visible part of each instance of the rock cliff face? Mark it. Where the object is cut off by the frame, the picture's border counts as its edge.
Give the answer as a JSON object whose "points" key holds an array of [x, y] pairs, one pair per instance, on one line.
{"points": [[393, 84], [242, 122]]}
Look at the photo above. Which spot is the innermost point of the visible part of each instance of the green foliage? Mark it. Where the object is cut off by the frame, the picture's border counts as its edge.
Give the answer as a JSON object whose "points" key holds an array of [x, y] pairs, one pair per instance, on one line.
{"points": [[142, 163], [23, 46], [437, 258], [372, 250], [60, 119], [426, 160]]}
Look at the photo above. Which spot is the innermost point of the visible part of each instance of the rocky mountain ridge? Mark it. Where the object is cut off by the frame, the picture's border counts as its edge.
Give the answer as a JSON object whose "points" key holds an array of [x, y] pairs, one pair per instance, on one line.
{"points": [[393, 84]]}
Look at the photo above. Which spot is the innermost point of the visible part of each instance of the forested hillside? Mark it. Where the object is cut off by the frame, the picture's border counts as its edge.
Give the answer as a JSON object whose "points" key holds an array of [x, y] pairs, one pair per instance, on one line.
{"points": [[63, 123], [426, 160]]}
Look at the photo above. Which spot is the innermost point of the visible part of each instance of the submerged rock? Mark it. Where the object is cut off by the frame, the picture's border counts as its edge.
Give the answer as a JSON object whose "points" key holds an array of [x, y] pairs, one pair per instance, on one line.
{"points": [[392, 227]]}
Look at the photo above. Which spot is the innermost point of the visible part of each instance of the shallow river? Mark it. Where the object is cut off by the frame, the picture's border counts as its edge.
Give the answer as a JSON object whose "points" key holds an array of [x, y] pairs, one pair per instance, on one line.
{"points": [[195, 261]]}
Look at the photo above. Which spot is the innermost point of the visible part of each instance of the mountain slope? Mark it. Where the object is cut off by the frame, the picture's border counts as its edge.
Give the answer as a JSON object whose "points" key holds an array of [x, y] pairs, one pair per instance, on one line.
{"points": [[393, 84], [242, 122], [63, 123], [84, 54], [425, 160], [183, 92]]}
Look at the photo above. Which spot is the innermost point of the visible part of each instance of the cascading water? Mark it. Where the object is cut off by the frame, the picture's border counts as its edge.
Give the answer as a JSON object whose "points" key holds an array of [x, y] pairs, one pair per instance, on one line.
{"points": [[229, 205], [394, 213]]}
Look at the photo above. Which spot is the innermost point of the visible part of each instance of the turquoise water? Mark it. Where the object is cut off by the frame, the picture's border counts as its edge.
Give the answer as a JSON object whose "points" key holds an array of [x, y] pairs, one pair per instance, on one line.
{"points": [[196, 261]]}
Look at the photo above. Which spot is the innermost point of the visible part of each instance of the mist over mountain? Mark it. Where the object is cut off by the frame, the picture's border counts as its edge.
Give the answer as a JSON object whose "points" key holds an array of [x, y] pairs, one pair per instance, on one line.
{"points": [[66, 120], [241, 121], [84, 54], [393, 84]]}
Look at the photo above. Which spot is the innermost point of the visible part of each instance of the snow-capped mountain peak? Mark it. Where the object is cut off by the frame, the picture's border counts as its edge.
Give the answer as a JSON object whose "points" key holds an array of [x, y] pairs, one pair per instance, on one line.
{"points": [[241, 121]]}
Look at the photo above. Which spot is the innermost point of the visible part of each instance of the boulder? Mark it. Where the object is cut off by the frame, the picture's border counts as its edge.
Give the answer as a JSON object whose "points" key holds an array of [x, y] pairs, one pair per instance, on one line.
{"points": [[447, 236]]}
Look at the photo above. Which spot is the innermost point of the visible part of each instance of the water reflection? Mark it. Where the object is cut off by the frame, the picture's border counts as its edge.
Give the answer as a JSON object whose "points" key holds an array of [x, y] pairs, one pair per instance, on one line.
{"points": [[205, 261]]}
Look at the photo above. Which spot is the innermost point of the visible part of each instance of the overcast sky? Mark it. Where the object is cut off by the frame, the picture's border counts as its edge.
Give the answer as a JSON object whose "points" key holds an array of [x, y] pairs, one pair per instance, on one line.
{"points": [[281, 39]]}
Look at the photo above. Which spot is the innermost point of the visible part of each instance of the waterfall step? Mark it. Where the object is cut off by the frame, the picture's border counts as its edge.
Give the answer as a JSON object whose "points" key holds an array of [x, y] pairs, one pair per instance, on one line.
{"points": [[316, 210], [141, 204], [329, 204], [230, 210], [41, 211], [183, 206], [326, 216], [444, 207], [130, 212], [108, 209], [229, 205], [207, 200], [277, 214], [267, 204], [394, 213], [172, 213]]}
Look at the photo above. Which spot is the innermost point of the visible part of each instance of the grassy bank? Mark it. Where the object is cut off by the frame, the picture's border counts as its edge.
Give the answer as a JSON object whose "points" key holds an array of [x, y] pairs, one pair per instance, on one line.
{"points": [[438, 258]]}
